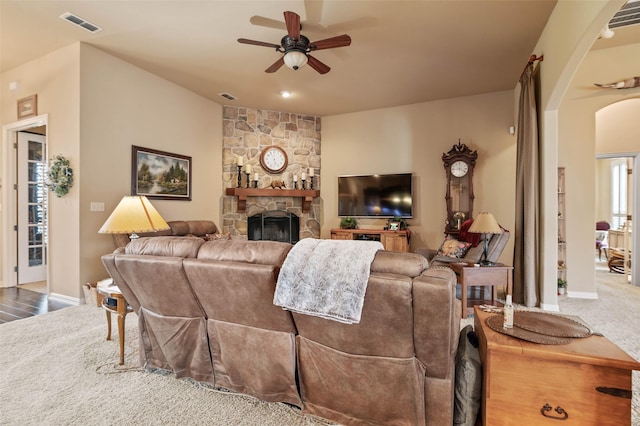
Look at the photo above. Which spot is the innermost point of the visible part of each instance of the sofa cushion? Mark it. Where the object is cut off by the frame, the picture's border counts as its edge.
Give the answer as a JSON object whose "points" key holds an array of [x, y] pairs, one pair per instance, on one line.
{"points": [[201, 227], [357, 389], [392, 262], [165, 246], [451, 247], [263, 252]]}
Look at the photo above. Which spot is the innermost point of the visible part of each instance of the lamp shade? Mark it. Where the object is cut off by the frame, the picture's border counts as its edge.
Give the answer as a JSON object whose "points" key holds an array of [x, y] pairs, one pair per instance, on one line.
{"points": [[485, 223], [133, 214], [295, 59]]}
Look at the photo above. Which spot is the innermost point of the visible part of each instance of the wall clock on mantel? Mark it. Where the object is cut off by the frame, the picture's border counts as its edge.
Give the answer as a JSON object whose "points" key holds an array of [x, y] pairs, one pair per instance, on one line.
{"points": [[459, 163], [274, 159]]}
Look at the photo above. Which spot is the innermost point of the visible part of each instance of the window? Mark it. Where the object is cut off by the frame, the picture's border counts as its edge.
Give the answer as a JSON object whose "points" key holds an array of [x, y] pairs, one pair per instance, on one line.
{"points": [[618, 192]]}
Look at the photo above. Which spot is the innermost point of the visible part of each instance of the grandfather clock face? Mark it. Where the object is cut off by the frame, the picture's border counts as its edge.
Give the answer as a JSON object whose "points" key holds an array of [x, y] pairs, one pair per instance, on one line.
{"points": [[459, 163]]}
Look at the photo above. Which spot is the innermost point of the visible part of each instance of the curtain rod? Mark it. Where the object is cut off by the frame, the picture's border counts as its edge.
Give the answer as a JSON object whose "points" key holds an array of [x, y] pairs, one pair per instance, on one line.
{"points": [[534, 58]]}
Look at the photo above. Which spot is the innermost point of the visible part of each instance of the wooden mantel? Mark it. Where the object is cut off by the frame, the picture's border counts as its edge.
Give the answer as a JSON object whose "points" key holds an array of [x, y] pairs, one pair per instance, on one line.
{"points": [[307, 195]]}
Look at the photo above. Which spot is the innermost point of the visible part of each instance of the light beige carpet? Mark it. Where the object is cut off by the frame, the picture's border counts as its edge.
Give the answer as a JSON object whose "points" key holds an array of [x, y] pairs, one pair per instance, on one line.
{"points": [[58, 369]]}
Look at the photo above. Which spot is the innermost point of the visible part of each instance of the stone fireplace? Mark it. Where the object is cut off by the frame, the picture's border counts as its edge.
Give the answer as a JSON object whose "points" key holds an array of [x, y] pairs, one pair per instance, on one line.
{"points": [[246, 132], [274, 225]]}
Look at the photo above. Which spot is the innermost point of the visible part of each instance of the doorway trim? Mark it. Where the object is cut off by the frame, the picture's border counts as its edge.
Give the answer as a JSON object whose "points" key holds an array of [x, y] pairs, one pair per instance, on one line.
{"points": [[635, 221], [9, 214]]}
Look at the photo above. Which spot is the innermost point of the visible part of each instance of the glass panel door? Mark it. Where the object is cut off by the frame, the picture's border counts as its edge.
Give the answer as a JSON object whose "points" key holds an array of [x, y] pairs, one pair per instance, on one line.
{"points": [[32, 208]]}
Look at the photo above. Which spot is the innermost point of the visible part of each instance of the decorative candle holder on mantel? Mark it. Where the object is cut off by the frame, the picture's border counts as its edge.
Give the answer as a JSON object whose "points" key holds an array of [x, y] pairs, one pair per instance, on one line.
{"points": [[239, 175]]}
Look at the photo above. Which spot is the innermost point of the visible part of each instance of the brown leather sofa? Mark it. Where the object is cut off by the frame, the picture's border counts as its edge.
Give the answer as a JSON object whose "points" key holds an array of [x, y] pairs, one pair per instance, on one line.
{"points": [[177, 228], [206, 311]]}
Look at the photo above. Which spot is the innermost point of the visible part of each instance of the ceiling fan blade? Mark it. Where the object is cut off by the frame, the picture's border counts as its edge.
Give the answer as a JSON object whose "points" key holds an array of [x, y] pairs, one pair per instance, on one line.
{"points": [[317, 65], [292, 20], [276, 65], [267, 22], [330, 43], [258, 43]]}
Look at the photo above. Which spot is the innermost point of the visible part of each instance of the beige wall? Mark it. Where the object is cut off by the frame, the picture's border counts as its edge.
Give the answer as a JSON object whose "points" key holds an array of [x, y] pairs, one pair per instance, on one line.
{"points": [[565, 41], [618, 124], [581, 138], [617, 132], [120, 105], [123, 106], [55, 79], [603, 189], [412, 138]]}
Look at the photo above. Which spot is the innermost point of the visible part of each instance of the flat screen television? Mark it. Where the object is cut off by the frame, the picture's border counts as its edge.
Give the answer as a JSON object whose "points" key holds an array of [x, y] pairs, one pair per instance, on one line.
{"points": [[388, 195]]}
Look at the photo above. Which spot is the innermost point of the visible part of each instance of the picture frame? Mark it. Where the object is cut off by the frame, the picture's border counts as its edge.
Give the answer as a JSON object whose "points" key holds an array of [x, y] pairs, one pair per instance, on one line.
{"points": [[27, 107], [394, 226], [160, 175]]}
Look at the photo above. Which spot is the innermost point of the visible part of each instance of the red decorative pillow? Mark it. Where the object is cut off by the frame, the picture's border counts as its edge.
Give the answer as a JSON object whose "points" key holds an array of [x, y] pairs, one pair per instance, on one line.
{"points": [[466, 236], [451, 247]]}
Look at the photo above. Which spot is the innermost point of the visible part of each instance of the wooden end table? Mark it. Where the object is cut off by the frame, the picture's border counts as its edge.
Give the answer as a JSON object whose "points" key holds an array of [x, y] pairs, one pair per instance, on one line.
{"points": [[586, 382], [469, 275], [121, 309]]}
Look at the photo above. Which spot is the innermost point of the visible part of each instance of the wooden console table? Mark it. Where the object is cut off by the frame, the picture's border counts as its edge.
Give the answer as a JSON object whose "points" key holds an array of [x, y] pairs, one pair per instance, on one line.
{"points": [[391, 240], [585, 382], [307, 195]]}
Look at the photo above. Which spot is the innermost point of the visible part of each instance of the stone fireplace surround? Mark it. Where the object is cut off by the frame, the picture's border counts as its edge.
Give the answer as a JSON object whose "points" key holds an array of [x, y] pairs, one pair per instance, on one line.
{"points": [[246, 132]]}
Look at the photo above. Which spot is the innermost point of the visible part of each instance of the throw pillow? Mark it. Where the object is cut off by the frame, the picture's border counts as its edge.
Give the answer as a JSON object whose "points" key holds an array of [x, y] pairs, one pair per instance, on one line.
{"points": [[468, 382], [451, 247]]}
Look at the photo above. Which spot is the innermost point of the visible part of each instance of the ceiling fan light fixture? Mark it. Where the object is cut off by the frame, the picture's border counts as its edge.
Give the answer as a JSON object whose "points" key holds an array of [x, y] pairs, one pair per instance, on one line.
{"points": [[295, 59]]}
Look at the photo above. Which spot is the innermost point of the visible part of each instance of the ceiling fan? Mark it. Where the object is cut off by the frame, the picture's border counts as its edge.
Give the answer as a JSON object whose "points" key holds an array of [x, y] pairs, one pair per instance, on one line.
{"points": [[296, 48]]}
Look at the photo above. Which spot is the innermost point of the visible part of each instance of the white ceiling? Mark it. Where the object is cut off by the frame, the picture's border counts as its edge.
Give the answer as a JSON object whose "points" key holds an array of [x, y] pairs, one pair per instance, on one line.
{"points": [[402, 52]]}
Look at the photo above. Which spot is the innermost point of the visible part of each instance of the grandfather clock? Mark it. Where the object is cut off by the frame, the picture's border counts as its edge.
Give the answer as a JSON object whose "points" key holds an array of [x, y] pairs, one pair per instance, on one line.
{"points": [[459, 163]]}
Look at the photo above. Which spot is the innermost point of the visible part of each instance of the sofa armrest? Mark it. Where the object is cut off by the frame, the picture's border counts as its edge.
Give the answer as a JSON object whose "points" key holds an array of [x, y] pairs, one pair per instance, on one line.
{"points": [[437, 315], [427, 252]]}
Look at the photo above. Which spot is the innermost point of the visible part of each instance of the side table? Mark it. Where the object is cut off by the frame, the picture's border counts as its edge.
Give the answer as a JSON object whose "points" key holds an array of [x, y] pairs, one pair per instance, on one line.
{"points": [[482, 276], [121, 309]]}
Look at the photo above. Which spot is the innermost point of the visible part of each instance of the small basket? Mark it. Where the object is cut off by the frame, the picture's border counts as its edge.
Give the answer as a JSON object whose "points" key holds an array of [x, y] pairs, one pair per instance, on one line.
{"points": [[91, 294]]}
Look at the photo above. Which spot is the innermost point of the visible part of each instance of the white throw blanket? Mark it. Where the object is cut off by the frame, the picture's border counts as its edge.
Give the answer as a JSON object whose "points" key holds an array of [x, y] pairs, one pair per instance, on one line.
{"points": [[326, 278]]}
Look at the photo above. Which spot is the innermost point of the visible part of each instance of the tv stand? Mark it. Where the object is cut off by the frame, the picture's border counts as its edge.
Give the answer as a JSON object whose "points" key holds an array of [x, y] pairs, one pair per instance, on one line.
{"points": [[391, 240]]}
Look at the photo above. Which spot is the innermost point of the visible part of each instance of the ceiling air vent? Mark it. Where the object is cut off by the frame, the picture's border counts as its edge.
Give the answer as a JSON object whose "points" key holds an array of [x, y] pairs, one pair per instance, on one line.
{"points": [[227, 96], [76, 20], [628, 15]]}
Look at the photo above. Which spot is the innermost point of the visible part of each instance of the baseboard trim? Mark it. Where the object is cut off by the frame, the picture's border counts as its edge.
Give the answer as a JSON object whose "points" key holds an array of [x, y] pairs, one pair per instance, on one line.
{"points": [[62, 298], [550, 307], [582, 295]]}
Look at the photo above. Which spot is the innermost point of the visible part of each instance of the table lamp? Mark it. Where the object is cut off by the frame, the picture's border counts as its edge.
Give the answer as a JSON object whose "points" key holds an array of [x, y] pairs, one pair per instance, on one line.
{"points": [[134, 214], [485, 224]]}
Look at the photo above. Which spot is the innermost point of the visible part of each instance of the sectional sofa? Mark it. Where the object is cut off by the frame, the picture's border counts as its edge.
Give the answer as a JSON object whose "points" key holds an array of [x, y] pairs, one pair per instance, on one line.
{"points": [[205, 311]]}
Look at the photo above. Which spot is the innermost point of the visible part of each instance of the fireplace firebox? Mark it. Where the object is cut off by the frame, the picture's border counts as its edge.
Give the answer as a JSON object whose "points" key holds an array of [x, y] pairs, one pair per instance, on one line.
{"points": [[274, 225]]}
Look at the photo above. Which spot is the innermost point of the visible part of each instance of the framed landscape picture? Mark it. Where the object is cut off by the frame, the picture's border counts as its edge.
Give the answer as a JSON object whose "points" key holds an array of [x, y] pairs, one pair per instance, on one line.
{"points": [[160, 175]]}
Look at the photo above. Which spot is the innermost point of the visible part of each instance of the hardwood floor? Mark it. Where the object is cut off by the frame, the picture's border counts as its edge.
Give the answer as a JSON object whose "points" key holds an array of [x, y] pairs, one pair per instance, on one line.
{"points": [[18, 303]]}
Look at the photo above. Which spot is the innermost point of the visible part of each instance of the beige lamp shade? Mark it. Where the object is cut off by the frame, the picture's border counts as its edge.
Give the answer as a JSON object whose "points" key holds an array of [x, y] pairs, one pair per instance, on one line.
{"points": [[134, 214], [485, 223]]}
